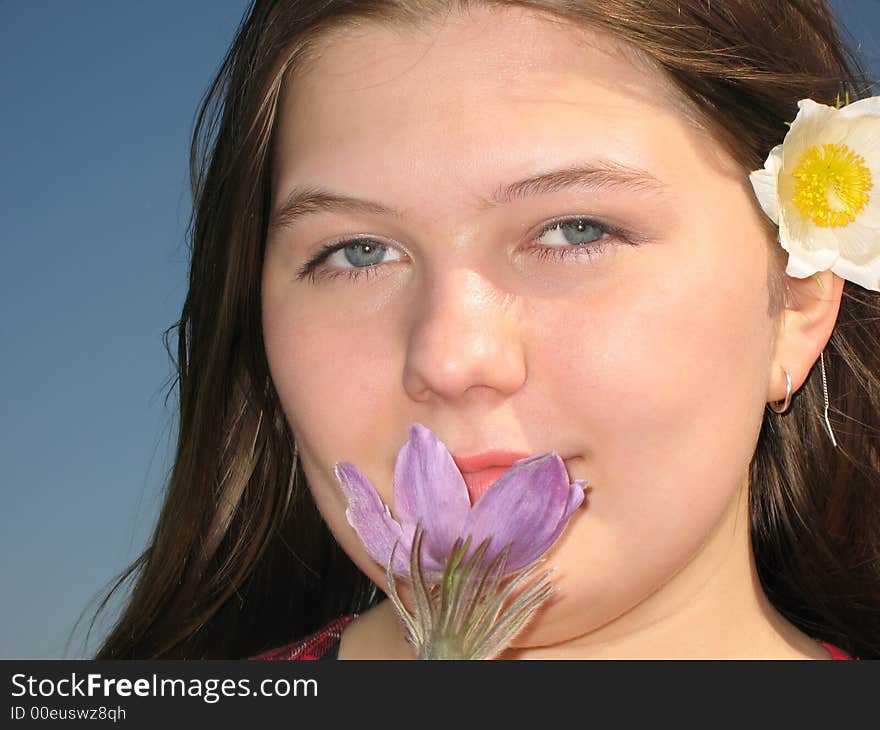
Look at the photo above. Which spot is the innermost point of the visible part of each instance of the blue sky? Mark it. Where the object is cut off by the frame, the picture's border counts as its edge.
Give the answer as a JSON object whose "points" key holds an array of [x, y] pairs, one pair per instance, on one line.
{"points": [[99, 98]]}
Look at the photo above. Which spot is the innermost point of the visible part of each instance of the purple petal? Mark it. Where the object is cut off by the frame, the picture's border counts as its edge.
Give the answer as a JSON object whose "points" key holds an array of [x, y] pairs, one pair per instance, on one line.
{"points": [[575, 499], [372, 520], [429, 489], [528, 507]]}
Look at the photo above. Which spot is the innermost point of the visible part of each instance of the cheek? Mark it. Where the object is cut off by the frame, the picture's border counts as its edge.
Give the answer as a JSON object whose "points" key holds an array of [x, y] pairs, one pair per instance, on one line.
{"points": [[332, 371], [663, 378], [333, 379], [678, 332]]}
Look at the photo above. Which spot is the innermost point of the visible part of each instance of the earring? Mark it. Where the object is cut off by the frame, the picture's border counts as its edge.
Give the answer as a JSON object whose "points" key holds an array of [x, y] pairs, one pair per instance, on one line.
{"points": [[825, 398], [784, 407]]}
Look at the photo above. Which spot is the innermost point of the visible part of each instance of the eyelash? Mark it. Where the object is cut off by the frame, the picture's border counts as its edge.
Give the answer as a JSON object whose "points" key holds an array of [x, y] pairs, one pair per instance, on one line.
{"points": [[591, 250]]}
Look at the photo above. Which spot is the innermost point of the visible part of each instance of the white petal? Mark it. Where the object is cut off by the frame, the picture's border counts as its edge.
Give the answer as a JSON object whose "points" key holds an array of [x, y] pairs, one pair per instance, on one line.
{"points": [[814, 124], [859, 245], [810, 113], [863, 138], [867, 276], [809, 248], [823, 243], [862, 107], [870, 150], [870, 215], [764, 183], [834, 131], [800, 268]]}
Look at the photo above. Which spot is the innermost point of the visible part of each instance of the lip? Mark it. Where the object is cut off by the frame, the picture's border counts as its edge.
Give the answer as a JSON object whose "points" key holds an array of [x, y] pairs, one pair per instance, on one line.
{"points": [[481, 471], [486, 460]]}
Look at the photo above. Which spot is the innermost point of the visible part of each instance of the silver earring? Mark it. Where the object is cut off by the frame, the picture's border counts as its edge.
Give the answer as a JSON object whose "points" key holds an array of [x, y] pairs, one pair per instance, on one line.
{"points": [[785, 404], [825, 397]]}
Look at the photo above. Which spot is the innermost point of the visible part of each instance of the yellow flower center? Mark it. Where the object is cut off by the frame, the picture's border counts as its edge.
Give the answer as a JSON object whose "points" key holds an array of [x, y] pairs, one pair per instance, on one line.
{"points": [[831, 185]]}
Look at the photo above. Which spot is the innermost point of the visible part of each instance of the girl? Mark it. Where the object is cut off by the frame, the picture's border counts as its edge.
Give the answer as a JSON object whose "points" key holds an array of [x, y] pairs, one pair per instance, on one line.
{"points": [[529, 226]]}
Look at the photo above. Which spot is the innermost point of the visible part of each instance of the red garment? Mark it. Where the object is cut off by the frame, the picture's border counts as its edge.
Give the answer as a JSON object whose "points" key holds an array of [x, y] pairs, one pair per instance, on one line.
{"points": [[314, 646], [835, 652], [324, 644]]}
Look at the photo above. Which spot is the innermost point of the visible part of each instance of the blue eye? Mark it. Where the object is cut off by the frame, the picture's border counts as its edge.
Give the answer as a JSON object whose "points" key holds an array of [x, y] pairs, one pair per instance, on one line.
{"points": [[363, 252], [560, 239], [353, 257], [575, 237], [574, 232]]}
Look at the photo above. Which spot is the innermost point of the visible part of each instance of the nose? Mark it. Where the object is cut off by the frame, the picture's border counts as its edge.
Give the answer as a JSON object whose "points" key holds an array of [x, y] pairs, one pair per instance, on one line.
{"points": [[464, 335]]}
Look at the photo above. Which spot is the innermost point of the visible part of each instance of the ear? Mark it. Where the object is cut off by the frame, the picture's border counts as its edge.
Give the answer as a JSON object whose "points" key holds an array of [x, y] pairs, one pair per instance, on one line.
{"points": [[803, 329]]}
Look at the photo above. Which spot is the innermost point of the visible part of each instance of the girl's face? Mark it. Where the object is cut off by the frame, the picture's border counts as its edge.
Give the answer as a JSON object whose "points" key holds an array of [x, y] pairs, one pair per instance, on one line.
{"points": [[547, 256]]}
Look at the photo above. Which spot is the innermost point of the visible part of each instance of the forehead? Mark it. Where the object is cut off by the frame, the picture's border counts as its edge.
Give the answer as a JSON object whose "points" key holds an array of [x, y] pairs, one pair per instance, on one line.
{"points": [[475, 86]]}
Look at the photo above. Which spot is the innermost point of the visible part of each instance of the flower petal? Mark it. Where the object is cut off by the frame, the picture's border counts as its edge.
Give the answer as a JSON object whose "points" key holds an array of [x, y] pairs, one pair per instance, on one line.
{"points": [[865, 276], [862, 107], [856, 262], [527, 507], [863, 138], [429, 489], [765, 183], [810, 248], [814, 124], [859, 245], [372, 520], [870, 216]]}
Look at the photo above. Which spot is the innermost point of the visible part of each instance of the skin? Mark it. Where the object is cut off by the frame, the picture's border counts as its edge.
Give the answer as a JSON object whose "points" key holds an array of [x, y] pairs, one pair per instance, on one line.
{"points": [[646, 367]]}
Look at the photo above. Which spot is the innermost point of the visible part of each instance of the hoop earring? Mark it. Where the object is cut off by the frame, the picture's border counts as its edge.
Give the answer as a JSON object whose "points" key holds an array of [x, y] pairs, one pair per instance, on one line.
{"points": [[825, 399], [787, 402]]}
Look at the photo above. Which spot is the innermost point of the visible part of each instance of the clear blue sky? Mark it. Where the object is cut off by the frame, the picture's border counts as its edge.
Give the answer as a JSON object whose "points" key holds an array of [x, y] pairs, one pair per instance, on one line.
{"points": [[98, 102]]}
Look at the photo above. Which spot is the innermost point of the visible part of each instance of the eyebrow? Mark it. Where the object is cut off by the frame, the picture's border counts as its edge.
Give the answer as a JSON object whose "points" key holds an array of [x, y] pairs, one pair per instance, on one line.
{"points": [[600, 175]]}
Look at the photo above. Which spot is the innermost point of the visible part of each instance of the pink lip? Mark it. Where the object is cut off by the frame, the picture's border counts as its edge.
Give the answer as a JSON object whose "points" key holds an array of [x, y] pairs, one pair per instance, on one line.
{"points": [[481, 471], [486, 460]]}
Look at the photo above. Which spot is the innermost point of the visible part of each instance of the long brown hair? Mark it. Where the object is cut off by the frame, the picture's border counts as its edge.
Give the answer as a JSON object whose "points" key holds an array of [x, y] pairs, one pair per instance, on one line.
{"points": [[241, 561]]}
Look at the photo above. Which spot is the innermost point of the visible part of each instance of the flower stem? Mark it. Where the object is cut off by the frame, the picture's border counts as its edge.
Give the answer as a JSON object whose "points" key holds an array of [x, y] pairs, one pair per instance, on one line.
{"points": [[468, 613]]}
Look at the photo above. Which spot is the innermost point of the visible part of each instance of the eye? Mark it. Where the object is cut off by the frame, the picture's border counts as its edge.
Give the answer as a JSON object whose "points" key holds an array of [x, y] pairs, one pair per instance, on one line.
{"points": [[559, 239], [567, 237], [573, 232], [359, 253], [352, 257]]}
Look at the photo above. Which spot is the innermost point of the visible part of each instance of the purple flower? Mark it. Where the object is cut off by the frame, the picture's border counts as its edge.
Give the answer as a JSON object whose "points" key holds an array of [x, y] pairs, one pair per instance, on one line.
{"points": [[527, 508]]}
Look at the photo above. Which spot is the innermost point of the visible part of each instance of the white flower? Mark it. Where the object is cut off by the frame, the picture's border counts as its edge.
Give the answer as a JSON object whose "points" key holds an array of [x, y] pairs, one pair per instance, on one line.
{"points": [[821, 186]]}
